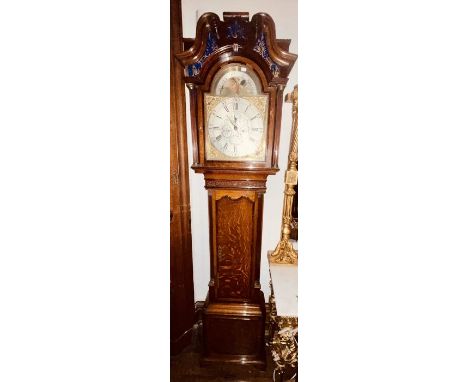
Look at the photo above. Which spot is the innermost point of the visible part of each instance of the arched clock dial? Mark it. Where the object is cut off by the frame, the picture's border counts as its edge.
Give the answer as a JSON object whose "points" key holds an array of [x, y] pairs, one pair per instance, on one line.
{"points": [[236, 116], [236, 127]]}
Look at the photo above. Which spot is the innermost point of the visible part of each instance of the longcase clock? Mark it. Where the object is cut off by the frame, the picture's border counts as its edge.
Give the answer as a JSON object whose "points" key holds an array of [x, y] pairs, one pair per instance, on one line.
{"points": [[236, 71]]}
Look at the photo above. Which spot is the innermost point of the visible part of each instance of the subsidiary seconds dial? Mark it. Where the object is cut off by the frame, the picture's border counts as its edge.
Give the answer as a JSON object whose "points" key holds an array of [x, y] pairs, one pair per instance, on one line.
{"points": [[235, 127]]}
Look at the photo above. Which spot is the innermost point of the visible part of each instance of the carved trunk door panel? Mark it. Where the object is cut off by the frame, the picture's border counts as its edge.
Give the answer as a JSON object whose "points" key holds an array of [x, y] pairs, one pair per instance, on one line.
{"points": [[233, 243]]}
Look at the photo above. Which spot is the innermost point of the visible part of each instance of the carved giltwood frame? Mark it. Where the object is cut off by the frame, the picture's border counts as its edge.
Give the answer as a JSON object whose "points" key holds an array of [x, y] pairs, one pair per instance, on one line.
{"points": [[284, 252]]}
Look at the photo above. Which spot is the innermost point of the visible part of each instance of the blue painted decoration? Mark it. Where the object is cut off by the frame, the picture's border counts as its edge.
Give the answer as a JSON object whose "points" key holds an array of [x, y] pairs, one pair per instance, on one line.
{"points": [[235, 30], [261, 48], [211, 46]]}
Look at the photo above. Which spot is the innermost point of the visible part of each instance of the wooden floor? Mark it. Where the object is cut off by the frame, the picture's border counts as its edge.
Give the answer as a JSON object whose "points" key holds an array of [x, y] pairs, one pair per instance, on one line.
{"points": [[185, 368]]}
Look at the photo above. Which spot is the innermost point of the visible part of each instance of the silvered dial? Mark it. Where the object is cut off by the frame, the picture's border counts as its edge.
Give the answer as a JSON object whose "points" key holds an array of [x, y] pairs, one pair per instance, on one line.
{"points": [[235, 127], [236, 82]]}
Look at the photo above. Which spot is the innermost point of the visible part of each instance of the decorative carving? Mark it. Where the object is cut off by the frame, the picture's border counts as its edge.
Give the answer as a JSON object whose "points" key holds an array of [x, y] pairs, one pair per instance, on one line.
{"points": [[234, 236], [283, 339], [234, 195], [246, 184], [284, 252], [284, 347]]}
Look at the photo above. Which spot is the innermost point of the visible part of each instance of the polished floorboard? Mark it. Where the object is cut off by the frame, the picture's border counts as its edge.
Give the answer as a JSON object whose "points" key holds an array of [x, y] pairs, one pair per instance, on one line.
{"points": [[185, 367]]}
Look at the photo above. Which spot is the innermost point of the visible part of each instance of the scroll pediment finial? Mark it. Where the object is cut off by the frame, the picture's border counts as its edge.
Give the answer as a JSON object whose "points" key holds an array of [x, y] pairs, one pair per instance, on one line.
{"points": [[255, 38]]}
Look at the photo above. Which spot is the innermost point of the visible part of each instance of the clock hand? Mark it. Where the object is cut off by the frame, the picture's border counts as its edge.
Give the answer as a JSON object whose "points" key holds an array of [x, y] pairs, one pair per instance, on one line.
{"points": [[232, 123]]}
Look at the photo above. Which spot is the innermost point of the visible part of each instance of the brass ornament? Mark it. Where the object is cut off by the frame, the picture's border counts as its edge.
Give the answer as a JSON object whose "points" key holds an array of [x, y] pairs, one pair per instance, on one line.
{"points": [[284, 347], [284, 252]]}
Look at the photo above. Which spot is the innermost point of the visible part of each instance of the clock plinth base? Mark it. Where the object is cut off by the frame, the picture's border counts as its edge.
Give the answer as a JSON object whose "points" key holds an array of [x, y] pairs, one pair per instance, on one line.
{"points": [[234, 333], [258, 362]]}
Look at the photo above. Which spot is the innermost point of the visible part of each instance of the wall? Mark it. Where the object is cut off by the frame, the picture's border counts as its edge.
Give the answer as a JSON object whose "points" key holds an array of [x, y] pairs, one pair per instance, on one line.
{"points": [[285, 16]]}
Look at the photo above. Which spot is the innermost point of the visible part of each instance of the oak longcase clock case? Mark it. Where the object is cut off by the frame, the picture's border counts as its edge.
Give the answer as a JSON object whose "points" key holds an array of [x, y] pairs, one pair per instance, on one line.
{"points": [[236, 71]]}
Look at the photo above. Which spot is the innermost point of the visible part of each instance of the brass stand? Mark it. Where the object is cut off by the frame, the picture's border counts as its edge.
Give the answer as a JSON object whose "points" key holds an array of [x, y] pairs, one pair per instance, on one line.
{"points": [[284, 252]]}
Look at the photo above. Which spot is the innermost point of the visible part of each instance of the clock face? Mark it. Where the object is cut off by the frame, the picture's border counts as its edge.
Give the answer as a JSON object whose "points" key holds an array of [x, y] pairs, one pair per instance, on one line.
{"points": [[236, 116], [235, 127]]}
